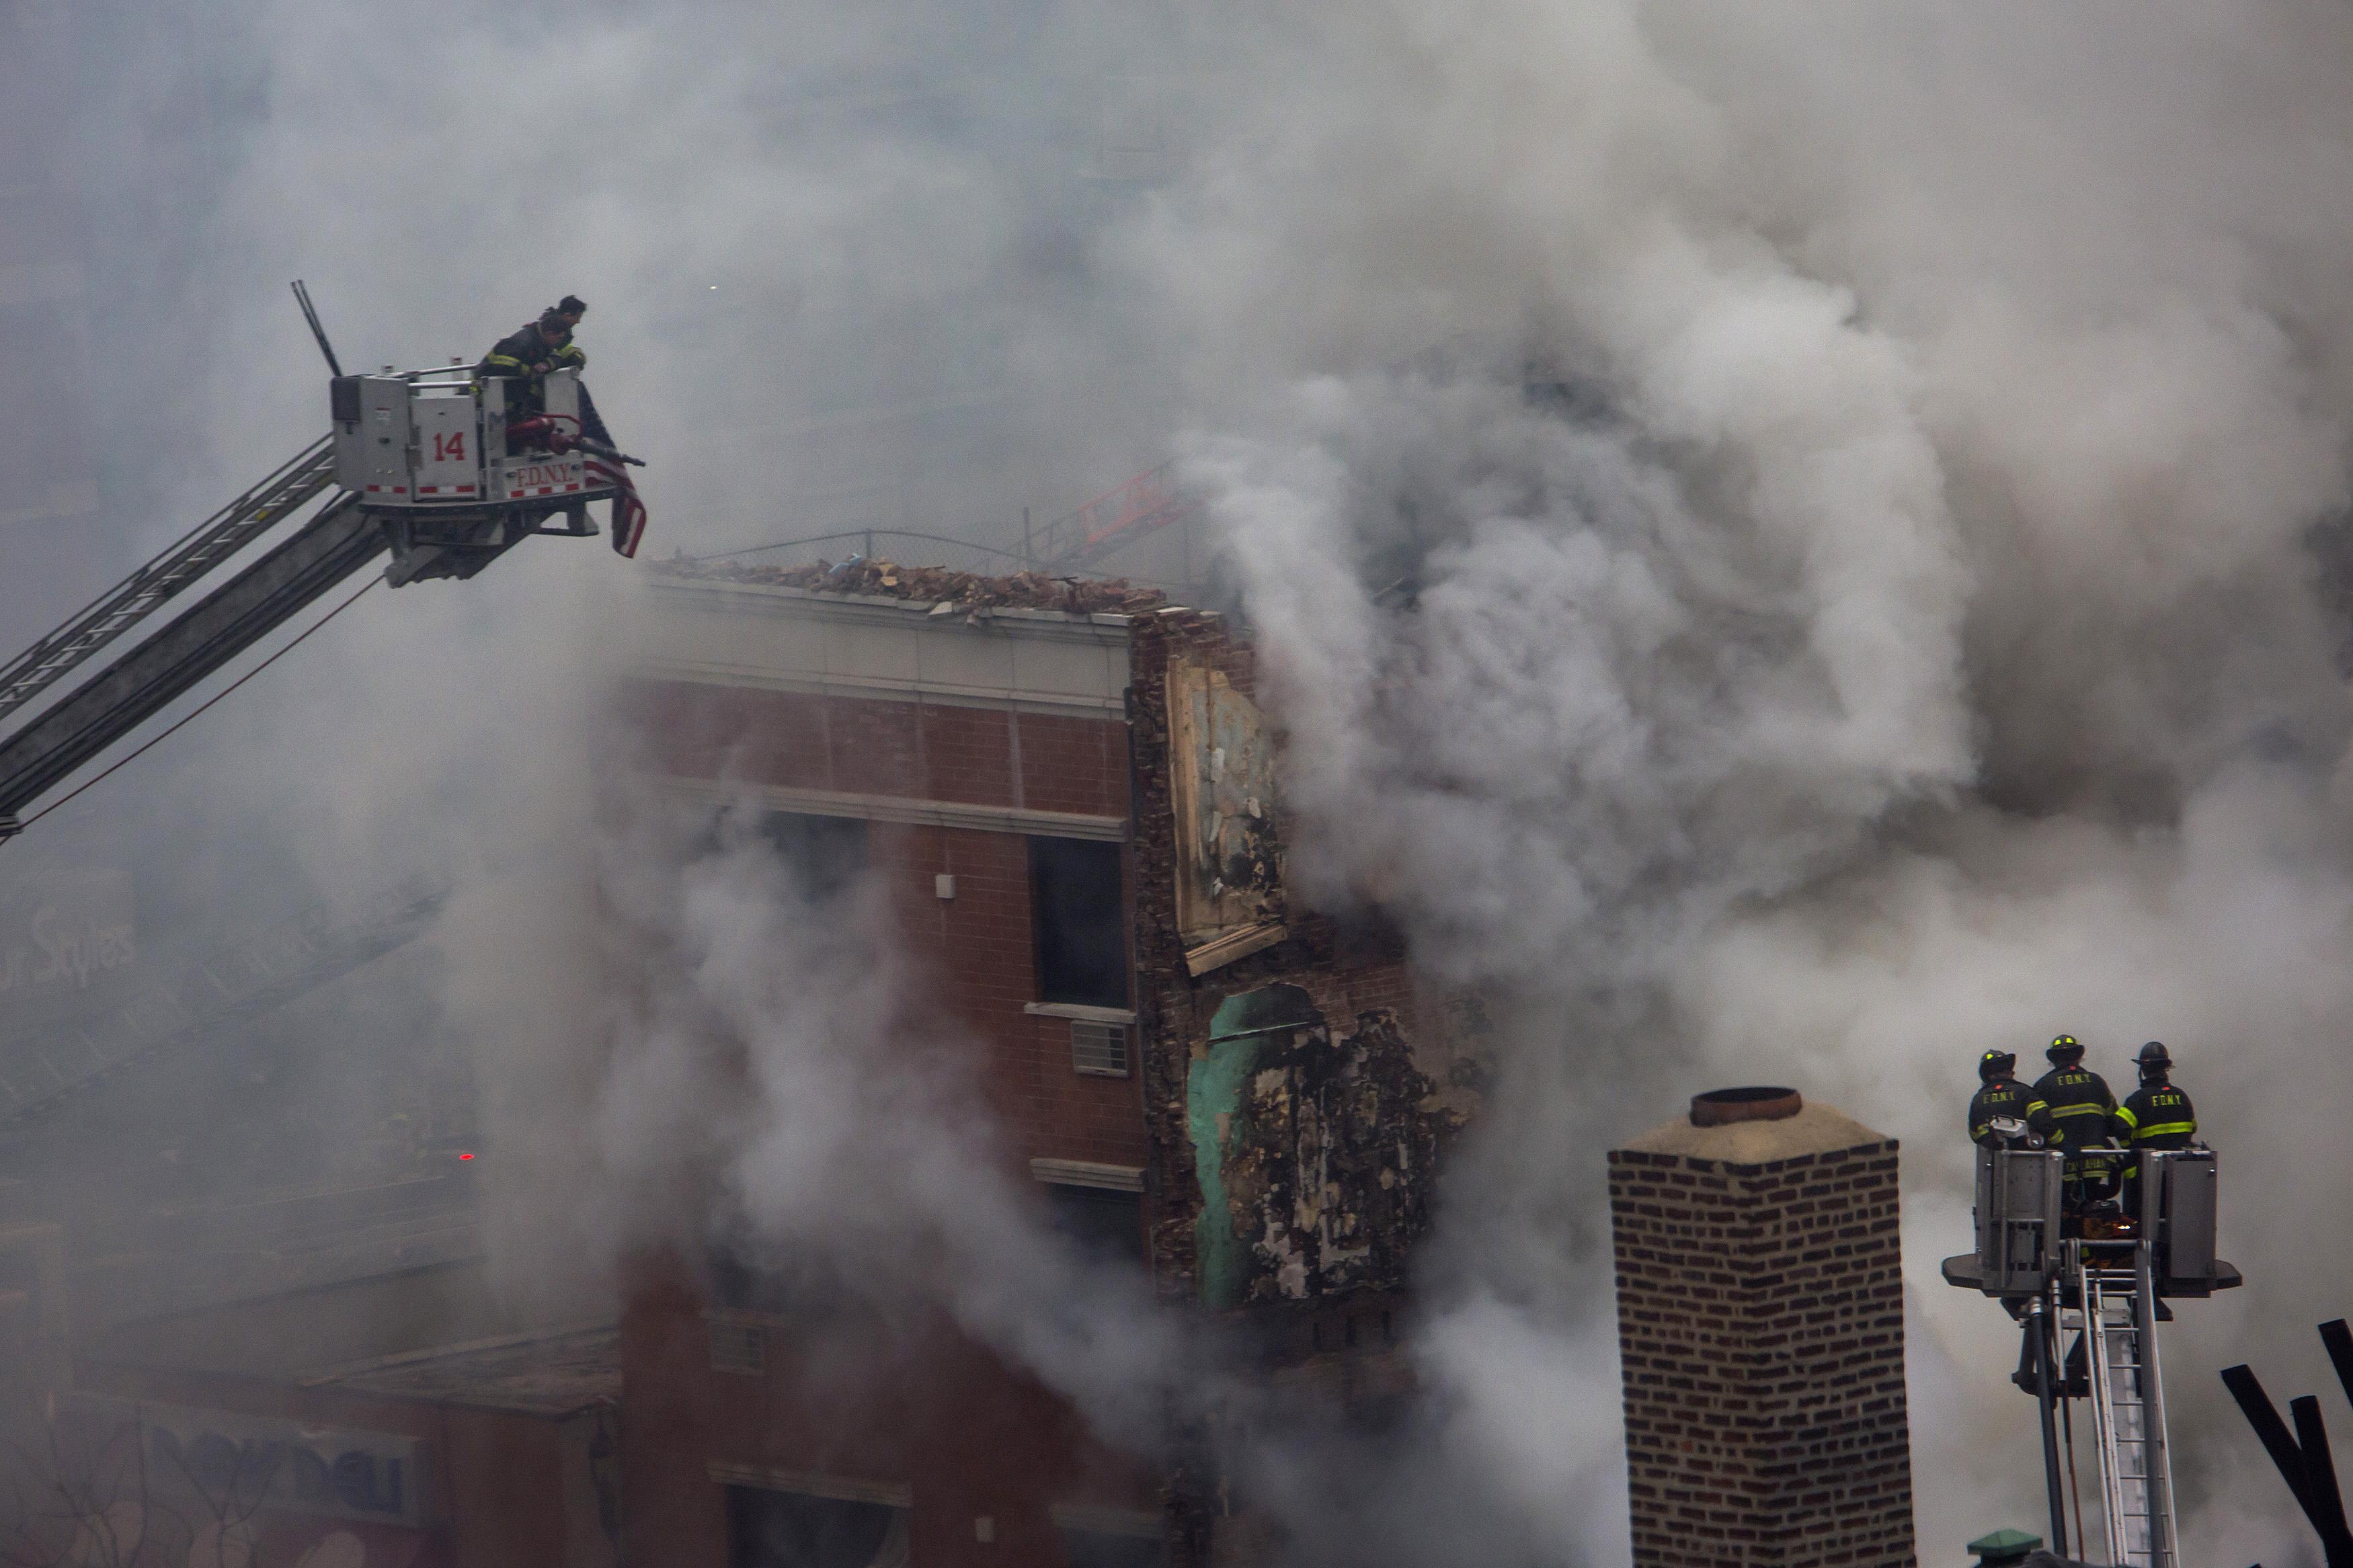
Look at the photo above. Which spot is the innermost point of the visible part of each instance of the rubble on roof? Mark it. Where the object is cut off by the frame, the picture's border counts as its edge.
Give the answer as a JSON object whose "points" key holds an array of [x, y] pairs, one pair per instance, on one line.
{"points": [[963, 590]]}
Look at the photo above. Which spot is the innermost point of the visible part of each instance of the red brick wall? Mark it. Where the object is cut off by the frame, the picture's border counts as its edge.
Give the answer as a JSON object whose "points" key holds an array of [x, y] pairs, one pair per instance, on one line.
{"points": [[922, 750], [976, 949], [915, 1403], [927, 1406], [1760, 1312]]}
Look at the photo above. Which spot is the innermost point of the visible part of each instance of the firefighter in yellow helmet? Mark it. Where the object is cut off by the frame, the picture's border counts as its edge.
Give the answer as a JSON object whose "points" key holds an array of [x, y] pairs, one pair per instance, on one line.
{"points": [[2081, 1102]]}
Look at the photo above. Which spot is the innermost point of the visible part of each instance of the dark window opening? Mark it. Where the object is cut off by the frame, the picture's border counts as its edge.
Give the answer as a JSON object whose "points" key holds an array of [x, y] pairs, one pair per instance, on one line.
{"points": [[1101, 1549], [826, 854], [1077, 915], [790, 1530], [747, 1279], [1104, 1224]]}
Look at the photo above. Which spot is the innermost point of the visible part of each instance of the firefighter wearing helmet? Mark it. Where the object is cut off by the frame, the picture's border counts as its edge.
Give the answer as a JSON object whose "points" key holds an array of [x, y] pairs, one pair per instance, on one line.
{"points": [[2082, 1104], [529, 353], [2157, 1115], [2001, 1094]]}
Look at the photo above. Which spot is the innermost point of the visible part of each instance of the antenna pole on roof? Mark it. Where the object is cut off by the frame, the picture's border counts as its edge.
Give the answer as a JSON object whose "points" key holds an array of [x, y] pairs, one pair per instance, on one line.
{"points": [[310, 314]]}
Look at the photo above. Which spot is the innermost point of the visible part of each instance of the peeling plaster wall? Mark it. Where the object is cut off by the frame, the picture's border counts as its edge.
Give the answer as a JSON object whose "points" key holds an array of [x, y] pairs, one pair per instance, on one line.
{"points": [[1222, 791], [1315, 1156]]}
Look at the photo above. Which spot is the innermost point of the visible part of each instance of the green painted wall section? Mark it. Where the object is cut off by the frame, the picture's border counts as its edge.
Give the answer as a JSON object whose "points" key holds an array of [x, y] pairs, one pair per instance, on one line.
{"points": [[1238, 1032], [1212, 1089]]}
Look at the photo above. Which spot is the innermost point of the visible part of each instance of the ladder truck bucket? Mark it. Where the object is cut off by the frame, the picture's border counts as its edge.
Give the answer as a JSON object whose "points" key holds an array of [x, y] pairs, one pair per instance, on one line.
{"points": [[2179, 1213], [457, 471], [2018, 1224]]}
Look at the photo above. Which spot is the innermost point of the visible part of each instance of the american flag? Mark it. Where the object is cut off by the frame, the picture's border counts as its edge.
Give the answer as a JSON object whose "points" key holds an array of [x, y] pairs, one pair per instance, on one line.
{"points": [[628, 511]]}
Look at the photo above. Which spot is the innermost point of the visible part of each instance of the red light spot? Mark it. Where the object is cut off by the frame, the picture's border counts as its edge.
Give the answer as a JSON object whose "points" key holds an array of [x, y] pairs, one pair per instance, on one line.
{"points": [[465, 1157]]}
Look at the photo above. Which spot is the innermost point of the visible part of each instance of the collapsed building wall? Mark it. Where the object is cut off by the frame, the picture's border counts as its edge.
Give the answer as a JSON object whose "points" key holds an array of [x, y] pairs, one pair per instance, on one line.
{"points": [[1300, 1086]]}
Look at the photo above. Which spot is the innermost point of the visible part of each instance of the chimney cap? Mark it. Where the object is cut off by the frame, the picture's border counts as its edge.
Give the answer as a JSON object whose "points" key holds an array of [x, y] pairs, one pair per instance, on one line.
{"points": [[1721, 1107]]}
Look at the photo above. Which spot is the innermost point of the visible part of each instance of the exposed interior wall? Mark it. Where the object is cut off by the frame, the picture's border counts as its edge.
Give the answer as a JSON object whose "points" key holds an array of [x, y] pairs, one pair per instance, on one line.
{"points": [[1314, 1153], [1221, 785], [1299, 1092], [1300, 1086]]}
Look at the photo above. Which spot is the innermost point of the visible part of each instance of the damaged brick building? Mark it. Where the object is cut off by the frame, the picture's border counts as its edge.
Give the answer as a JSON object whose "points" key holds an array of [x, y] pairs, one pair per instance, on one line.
{"points": [[1073, 797]]}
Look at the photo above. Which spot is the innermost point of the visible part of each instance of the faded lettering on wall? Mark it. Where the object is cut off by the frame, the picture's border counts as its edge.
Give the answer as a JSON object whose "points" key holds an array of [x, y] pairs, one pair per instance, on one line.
{"points": [[59, 930]]}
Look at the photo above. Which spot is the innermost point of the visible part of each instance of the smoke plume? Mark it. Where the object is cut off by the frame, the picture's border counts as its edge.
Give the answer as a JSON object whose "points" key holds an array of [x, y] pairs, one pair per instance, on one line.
{"points": [[1798, 547], [1792, 543]]}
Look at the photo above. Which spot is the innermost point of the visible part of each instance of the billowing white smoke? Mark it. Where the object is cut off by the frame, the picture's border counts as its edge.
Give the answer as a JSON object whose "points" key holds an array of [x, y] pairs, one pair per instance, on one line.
{"points": [[1606, 713], [1903, 640], [776, 1091]]}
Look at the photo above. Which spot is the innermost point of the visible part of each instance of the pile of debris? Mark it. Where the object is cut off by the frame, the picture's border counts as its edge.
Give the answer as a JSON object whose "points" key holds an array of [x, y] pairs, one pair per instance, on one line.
{"points": [[938, 585]]}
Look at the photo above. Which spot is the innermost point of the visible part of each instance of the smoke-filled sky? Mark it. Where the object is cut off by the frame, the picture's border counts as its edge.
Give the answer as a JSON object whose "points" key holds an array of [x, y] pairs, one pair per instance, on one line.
{"points": [[1915, 626]]}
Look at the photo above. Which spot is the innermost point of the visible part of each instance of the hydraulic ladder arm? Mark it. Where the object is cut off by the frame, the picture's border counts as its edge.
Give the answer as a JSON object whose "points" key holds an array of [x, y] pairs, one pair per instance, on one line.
{"points": [[227, 619], [430, 466], [147, 590], [2128, 1393], [2110, 1274]]}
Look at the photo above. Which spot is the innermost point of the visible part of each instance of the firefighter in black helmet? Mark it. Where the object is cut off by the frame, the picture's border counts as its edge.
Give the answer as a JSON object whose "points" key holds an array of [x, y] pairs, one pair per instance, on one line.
{"points": [[534, 349], [2001, 1094], [2154, 1116], [2079, 1102]]}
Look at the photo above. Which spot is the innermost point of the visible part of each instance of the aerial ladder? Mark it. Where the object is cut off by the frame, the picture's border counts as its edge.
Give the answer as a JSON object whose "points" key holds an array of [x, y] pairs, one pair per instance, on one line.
{"points": [[2060, 1268], [444, 471]]}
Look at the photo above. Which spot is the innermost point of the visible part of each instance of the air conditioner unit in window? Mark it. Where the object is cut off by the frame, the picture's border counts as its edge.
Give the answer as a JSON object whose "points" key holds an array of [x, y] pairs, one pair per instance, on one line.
{"points": [[1099, 1048]]}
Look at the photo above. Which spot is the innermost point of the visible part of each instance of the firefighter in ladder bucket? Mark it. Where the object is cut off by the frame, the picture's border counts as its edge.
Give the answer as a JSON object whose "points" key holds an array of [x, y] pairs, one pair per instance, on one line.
{"points": [[527, 356]]}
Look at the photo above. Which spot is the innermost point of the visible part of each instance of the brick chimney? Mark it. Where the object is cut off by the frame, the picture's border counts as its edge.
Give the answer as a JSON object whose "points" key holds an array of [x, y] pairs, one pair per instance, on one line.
{"points": [[1760, 1318]]}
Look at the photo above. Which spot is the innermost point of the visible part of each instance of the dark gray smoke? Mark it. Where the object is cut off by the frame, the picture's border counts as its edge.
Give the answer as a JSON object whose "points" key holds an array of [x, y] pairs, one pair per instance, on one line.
{"points": [[1798, 545]]}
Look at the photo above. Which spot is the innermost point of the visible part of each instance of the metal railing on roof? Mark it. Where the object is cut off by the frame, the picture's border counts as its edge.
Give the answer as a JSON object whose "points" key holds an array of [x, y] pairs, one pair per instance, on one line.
{"points": [[1148, 502], [878, 543]]}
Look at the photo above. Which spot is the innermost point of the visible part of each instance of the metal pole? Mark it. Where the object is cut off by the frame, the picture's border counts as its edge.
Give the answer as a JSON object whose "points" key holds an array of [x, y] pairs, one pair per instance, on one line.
{"points": [[2038, 1324], [2074, 1490], [1028, 553], [310, 314], [2339, 1339], [2326, 1504]]}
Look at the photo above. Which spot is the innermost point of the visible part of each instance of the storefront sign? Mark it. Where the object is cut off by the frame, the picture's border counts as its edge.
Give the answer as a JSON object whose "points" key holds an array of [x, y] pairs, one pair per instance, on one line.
{"points": [[239, 1464]]}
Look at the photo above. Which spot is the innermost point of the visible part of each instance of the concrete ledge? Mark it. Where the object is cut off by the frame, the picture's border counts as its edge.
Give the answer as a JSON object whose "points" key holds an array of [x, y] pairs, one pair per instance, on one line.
{"points": [[907, 809], [1080, 1011], [812, 1483], [1089, 1174], [885, 689]]}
